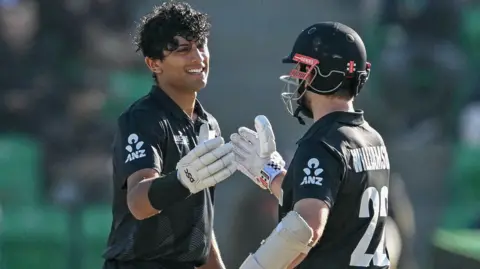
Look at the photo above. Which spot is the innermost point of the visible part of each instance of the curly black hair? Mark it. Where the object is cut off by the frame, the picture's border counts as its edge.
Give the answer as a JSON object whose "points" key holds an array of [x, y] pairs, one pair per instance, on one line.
{"points": [[157, 29]]}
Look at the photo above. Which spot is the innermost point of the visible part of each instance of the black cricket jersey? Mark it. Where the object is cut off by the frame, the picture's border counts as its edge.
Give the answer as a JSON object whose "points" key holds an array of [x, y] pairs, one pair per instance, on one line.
{"points": [[154, 132], [343, 161]]}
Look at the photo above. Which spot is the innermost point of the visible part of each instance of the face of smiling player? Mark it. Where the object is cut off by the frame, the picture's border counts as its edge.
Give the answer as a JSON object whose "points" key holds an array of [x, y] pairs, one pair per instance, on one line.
{"points": [[185, 67]]}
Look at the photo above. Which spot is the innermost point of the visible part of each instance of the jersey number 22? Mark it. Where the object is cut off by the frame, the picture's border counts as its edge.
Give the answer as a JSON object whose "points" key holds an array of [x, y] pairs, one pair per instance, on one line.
{"points": [[359, 256]]}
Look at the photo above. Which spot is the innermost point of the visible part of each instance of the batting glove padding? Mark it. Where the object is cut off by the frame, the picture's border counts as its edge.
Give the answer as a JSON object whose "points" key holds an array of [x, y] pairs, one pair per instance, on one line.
{"points": [[291, 237], [207, 164], [255, 153]]}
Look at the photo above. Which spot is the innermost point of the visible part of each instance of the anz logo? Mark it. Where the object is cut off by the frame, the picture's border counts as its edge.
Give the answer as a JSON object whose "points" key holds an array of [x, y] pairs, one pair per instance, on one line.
{"points": [[134, 148], [312, 173]]}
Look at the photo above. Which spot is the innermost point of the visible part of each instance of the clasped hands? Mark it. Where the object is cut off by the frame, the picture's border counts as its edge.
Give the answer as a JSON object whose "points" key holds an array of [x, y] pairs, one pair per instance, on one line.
{"points": [[251, 152]]}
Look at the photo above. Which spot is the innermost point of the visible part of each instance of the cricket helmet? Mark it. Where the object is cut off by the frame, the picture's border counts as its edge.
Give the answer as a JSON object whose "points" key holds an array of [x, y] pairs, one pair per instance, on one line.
{"points": [[329, 56]]}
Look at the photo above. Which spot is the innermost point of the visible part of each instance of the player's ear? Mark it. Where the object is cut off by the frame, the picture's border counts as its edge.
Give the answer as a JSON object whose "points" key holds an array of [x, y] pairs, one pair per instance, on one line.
{"points": [[155, 65]]}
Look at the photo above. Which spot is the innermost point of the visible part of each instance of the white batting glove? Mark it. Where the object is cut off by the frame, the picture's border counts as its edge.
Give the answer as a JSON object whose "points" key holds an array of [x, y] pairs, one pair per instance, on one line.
{"points": [[209, 163], [255, 153]]}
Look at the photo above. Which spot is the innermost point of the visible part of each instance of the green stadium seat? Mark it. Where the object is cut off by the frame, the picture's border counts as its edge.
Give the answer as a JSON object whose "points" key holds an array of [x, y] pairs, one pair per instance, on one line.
{"points": [[96, 222], [464, 186], [20, 170], [467, 171], [470, 34], [463, 242], [124, 88], [34, 237]]}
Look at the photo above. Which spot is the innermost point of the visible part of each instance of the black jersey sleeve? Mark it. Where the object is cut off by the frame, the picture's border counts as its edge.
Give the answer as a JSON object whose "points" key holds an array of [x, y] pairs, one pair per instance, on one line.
{"points": [[138, 144], [318, 172]]}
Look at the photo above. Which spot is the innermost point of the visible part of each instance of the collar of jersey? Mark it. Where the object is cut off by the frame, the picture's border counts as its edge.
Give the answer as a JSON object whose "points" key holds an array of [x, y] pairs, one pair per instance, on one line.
{"points": [[349, 118], [162, 98]]}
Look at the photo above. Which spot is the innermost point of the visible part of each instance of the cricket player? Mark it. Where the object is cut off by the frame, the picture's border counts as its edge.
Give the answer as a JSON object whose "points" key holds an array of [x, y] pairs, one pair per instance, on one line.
{"points": [[168, 153], [334, 195]]}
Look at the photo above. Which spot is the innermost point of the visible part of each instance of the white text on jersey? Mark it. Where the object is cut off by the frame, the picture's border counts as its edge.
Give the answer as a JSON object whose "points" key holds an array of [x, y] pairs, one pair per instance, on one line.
{"points": [[370, 158]]}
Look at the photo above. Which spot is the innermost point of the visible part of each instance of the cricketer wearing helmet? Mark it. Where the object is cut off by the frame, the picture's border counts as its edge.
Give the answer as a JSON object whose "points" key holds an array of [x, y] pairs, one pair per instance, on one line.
{"points": [[334, 195]]}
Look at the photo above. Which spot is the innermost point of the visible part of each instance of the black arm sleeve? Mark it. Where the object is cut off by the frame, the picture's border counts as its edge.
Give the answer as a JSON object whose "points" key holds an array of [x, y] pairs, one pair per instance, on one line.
{"points": [[137, 144], [318, 172], [166, 191]]}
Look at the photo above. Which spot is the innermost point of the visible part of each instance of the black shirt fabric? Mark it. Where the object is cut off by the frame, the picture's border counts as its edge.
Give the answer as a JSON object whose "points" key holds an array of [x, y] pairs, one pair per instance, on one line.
{"points": [[155, 133], [343, 161]]}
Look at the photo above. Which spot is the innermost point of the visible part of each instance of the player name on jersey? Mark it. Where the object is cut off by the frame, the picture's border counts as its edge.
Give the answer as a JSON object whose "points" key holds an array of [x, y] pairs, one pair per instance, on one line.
{"points": [[370, 158]]}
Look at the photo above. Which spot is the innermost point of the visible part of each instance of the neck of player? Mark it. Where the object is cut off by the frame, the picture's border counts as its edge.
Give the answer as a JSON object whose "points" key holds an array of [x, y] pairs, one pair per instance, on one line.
{"points": [[183, 98], [322, 105]]}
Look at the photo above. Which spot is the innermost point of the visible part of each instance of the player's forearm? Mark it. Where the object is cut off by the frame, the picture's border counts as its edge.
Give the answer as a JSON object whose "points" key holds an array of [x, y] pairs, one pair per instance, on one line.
{"points": [[276, 185], [315, 213], [302, 256], [214, 259], [152, 195], [138, 202], [316, 236], [166, 191]]}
